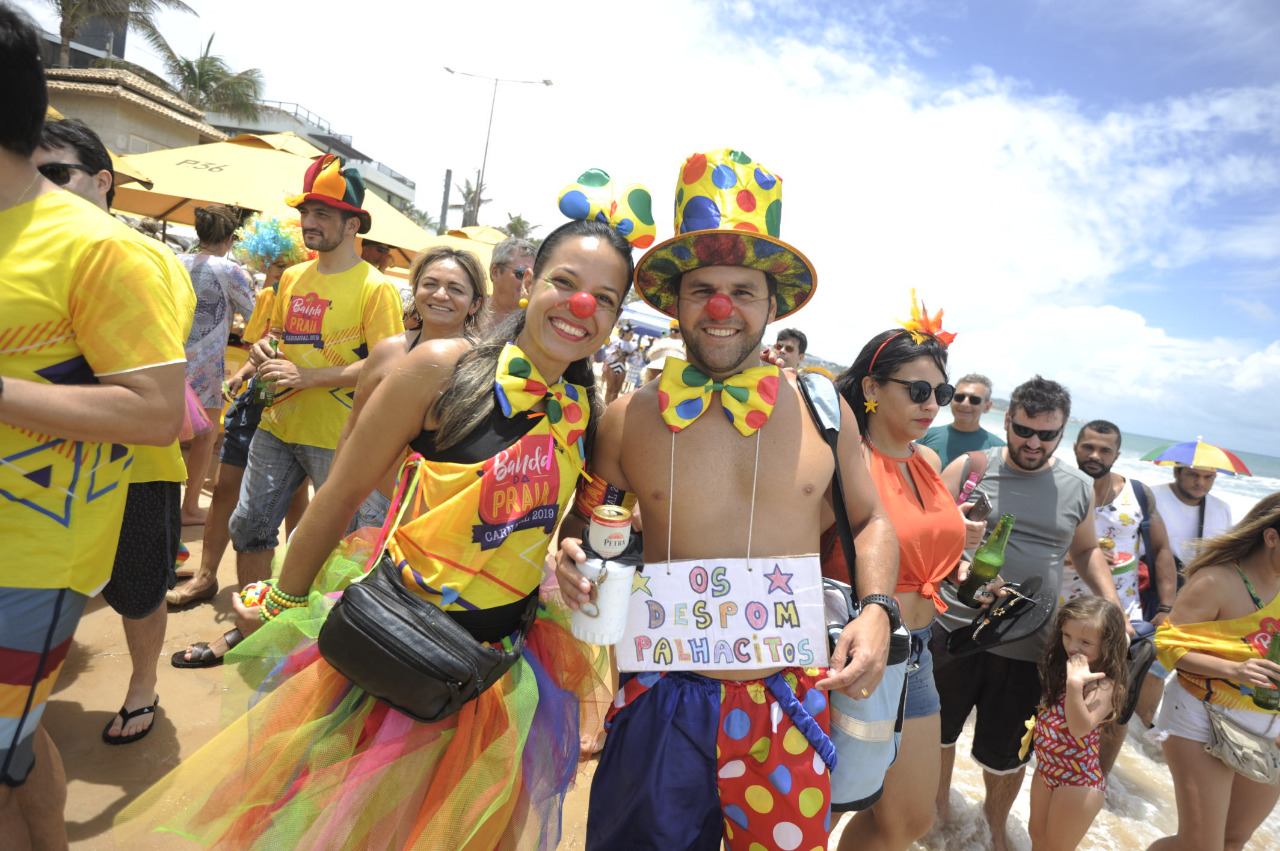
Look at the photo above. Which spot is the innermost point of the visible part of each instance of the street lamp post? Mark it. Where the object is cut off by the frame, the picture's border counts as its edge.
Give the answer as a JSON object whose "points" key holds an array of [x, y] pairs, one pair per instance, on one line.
{"points": [[484, 161]]}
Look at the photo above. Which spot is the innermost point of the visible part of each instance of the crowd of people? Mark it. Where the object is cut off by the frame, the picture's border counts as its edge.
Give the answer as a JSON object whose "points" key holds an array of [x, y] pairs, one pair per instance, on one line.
{"points": [[451, 447]]}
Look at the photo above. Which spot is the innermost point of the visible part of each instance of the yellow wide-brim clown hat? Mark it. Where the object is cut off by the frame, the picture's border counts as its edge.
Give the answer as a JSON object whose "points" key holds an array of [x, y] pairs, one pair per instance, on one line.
{"points": [[728, 213]]}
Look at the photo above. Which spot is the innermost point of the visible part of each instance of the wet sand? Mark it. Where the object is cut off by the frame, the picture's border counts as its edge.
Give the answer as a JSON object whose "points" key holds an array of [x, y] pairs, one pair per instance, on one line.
{"points": [[102, 779]]}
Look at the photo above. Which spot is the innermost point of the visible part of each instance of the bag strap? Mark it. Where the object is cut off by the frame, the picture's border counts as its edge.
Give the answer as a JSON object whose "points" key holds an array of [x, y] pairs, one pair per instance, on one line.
{"points": [[1143, 496], [408, 478], [975, 470], [1204, 503], [823, 403]]}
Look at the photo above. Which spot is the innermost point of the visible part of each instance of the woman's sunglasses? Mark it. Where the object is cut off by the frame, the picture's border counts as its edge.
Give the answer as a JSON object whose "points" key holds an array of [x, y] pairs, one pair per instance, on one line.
{"points": [[60, 173], [919, 390], [1047, 435]]}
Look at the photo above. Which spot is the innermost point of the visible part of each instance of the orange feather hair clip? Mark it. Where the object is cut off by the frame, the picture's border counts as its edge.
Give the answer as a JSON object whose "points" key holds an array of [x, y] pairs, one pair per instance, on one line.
{"points": [[922, 324]]}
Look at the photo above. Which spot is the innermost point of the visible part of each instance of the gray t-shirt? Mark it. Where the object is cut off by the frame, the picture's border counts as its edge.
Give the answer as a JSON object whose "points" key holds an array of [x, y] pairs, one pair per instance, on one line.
{"points": [[1048, 505]]}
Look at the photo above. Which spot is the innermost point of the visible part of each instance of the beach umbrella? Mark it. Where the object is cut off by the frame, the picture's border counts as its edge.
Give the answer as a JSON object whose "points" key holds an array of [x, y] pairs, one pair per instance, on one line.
{"points": [[253, 173], [478, 239], [1197, 453]]}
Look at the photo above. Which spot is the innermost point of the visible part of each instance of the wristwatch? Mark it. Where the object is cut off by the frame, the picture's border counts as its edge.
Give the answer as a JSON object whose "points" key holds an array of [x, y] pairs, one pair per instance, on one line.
{"points": [[887, 603]]}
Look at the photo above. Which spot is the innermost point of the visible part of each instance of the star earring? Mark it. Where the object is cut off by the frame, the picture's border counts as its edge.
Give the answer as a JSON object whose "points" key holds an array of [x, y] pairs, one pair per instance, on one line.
{"points": [[870, 406]]}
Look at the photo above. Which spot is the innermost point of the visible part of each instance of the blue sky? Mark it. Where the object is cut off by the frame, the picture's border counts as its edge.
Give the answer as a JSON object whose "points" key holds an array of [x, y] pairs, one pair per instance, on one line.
{"points": [[1090, 188]]}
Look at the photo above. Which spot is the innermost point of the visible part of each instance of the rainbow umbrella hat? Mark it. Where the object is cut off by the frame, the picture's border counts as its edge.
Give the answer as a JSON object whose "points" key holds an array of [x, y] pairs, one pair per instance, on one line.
{"points": [[1197, 453]]}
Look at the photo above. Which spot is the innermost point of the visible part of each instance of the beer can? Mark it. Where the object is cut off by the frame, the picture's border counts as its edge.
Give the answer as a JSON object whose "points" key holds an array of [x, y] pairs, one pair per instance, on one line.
{"points": [[610, 530]]}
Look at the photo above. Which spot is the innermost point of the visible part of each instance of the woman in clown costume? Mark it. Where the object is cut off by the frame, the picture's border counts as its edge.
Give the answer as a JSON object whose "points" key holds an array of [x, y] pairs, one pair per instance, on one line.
{"points": [[317, 762]]}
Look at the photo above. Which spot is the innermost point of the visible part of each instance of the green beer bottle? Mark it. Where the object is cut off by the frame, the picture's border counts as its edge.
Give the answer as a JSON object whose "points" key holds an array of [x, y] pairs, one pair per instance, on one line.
{"points": [[264, 392], [987, 562], [1268, 697]]}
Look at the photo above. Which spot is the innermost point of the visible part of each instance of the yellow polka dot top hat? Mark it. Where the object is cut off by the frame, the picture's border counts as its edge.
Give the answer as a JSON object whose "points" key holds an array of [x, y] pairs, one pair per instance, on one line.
{"points": [[728, 213]]}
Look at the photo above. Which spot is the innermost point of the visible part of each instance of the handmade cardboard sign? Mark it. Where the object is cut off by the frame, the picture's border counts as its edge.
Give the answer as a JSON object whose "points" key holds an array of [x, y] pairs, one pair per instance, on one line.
{"points": [[715, 614]]}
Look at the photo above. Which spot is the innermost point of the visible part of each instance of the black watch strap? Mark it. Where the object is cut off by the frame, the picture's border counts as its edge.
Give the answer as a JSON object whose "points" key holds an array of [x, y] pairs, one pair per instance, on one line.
{"points": [[887, 603]]}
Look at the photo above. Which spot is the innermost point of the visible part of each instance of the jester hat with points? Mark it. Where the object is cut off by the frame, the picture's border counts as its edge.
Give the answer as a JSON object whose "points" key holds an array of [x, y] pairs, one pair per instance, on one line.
{"points": [[327, 182], [728, 213]]}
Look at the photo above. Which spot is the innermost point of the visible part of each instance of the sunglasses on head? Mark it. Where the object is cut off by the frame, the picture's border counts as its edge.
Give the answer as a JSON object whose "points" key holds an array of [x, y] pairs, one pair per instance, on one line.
{"points": [[60, 173], [971, 398], [1046, 435], [919, 390]]}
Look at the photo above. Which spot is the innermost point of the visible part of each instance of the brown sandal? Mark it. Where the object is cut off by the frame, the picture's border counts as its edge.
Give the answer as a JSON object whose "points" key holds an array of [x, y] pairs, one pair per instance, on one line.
{"points": [[202, 656]]}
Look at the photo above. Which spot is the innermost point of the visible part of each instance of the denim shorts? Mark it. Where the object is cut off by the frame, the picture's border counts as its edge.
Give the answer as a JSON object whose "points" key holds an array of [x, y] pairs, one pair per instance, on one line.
{"points": [[237, 430], [922, 693], [275, 471]]}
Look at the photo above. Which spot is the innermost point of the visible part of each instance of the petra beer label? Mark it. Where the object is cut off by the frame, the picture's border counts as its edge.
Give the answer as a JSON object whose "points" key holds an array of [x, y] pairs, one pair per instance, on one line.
{"points": [[610, 530]]}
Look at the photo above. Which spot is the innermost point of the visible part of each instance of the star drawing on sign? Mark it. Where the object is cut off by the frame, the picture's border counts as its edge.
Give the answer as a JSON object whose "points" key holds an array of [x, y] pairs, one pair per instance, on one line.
{"points": [[640, 582], [779, 581]]}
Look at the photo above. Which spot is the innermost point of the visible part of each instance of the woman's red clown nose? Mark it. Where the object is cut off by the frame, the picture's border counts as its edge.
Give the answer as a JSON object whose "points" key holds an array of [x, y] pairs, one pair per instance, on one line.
{"points": [[582, 305]]}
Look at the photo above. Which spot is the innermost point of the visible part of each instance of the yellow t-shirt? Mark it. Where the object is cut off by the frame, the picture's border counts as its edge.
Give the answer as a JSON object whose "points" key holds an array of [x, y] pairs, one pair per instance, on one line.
{"points": [[164, 463], [255, 328], [328, 320], [82, 297]]}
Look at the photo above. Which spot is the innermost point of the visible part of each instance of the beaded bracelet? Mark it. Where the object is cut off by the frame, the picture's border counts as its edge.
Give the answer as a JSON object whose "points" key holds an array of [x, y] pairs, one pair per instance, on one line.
{"points": [[276, 601], [275, 590]]}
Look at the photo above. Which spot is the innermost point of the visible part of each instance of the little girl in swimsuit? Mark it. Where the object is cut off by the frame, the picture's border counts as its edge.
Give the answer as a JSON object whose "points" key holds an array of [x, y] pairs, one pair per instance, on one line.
{"points": [[1083, 674]]}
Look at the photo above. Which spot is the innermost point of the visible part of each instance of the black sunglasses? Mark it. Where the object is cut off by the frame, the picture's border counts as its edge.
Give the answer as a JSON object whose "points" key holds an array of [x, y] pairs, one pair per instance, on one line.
{"points": [[60, 173], [520, 271], [972, 398], [1047, 435], [919, 390]]}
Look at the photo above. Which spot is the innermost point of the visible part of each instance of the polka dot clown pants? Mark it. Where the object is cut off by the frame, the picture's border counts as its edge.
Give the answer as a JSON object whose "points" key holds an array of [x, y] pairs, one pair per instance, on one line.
{"points": [[691, 761]]}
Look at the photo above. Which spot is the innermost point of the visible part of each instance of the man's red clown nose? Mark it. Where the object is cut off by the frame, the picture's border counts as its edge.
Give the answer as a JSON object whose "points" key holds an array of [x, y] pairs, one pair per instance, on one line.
{"points": [[582, 305], [720, 306]]}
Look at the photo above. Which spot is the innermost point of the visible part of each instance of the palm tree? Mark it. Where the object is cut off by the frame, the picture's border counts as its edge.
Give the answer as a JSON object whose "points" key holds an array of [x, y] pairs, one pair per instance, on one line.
{"points": [[472, 198], [422, 218], [208, 83], [517, 226], [138, 14]]}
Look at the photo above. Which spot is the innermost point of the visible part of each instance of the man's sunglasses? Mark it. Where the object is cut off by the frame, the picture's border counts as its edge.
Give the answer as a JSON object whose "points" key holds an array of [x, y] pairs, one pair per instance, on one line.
{"points": [[60, 173], [1047, 435], [972, 398], [919, 390]]}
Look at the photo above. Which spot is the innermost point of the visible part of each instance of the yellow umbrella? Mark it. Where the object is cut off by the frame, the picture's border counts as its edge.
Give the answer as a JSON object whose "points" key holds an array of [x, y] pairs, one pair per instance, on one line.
{"points": [[251, 174], [287, 141], [463, 241]]}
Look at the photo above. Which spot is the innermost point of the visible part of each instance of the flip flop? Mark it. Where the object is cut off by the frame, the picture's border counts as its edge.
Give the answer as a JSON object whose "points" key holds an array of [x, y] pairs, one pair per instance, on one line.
{"points": [[202, 656], [126, 717], [1009, 619]]}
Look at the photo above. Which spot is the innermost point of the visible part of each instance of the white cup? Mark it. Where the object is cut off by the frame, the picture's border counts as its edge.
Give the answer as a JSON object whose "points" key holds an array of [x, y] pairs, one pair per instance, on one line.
{"points": [[605, 620]]}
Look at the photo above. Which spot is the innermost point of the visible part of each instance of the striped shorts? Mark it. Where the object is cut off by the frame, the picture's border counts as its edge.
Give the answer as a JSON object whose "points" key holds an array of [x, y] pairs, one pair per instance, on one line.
{"points": [[36, 625]]}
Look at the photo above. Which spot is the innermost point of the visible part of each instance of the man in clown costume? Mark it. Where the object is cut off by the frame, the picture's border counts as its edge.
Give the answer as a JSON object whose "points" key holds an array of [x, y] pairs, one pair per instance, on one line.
{"points": [[327, 316], [714, 748]]}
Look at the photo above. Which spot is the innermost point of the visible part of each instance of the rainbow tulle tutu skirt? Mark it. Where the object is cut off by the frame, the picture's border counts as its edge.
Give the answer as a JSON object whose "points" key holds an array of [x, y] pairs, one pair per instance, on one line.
{"points": [[316, 763]]}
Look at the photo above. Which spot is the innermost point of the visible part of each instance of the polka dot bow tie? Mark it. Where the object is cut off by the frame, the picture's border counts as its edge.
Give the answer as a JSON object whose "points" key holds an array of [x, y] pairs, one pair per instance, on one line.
{"points": [[520, 386], [684, 392]]}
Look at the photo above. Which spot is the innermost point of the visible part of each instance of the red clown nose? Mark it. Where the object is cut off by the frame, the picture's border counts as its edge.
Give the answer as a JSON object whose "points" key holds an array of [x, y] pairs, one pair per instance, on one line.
{"points": [[720, 306], [582, 305]]}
